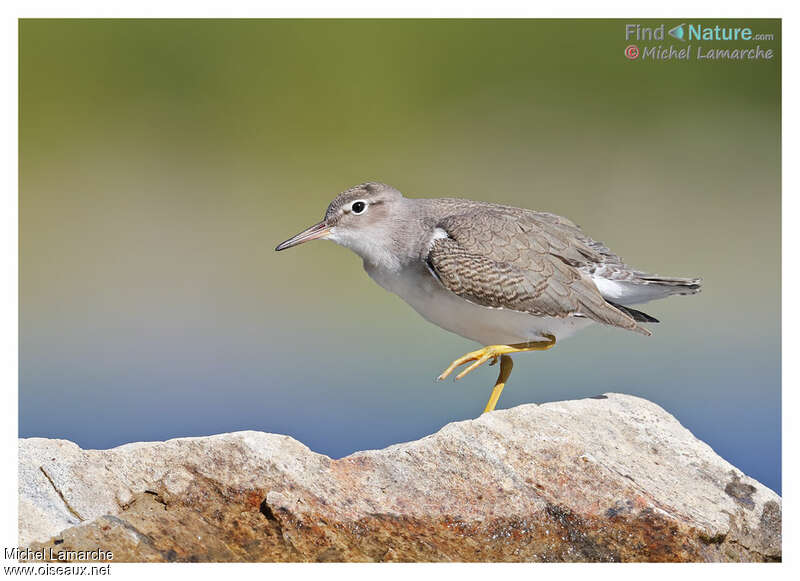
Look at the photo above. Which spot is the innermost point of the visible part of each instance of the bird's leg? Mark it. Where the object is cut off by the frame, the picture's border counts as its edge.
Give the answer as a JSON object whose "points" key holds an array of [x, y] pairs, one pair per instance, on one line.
{"points": [[492, 352], [506, 365]]}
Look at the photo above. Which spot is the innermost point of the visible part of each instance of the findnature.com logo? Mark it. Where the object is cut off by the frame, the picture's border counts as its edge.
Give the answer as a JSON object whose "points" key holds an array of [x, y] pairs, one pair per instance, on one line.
{"points": [[686, 33]]}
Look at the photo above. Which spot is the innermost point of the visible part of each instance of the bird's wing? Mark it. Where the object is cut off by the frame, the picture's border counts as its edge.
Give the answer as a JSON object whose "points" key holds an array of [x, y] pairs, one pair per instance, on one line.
{"points": [[593, 258], [525, 262]]}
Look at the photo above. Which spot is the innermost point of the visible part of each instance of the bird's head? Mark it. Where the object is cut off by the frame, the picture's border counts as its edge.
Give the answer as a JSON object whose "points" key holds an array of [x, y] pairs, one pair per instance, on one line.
{"points": [[360, 218]]}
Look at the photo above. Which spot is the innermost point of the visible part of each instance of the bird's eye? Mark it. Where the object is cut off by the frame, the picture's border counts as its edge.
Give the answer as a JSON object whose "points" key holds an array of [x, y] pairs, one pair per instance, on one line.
{"points": [[358, 207]]}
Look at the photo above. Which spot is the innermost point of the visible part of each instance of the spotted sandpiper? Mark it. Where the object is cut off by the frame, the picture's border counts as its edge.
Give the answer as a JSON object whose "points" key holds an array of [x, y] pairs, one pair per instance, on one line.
{"points": [[509, 278]]}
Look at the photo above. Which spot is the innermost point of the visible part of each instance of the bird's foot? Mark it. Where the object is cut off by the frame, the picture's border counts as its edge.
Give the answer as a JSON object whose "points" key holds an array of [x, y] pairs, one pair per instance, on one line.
{"points": [[479, 357], [493, 352]]}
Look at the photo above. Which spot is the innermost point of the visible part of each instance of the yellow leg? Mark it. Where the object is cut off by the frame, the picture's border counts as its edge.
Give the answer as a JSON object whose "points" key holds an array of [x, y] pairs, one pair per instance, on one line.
{"points": [[506, 365], [481, 356], [494, 352]]}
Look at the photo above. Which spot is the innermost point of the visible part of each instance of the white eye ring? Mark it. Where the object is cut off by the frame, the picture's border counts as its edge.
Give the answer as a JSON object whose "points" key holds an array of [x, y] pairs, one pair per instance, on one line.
{"points": [[358, 207]]}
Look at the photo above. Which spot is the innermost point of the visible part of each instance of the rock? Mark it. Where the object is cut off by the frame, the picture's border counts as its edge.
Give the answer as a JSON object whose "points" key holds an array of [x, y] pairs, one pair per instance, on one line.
{"points": [[612, 478]]}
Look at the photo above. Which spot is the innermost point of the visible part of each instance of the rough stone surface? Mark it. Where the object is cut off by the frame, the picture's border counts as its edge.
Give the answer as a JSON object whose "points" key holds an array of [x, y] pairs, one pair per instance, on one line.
{"points": [[612, 478]]}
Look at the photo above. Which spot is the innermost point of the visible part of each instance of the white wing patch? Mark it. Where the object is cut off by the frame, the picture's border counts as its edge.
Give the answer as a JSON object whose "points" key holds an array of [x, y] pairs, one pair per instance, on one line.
{"points": [[438, 234]]}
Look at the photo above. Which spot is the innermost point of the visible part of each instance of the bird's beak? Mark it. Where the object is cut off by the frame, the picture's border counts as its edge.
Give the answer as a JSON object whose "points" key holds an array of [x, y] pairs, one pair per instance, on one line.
{"points": [[319, 230]]}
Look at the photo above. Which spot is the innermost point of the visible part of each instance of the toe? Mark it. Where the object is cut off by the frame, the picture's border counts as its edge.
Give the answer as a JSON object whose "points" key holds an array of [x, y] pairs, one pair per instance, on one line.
{"points": [[480, 361]]}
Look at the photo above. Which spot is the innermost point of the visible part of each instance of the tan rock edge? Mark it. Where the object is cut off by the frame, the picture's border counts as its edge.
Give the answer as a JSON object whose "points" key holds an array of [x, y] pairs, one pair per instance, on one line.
{"points": [[612, 478]]}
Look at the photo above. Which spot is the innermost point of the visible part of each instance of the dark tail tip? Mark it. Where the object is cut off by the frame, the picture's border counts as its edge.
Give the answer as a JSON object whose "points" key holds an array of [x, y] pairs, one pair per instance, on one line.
{"points": [[637, 316]]}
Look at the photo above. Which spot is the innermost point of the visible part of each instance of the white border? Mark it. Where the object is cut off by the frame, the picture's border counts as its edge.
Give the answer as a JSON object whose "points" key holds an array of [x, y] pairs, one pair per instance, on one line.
{"points": [[408, 9]]}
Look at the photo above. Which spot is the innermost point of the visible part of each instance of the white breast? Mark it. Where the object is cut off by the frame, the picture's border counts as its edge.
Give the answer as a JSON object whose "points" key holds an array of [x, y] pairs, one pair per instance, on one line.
{"points": [[488, 326]]}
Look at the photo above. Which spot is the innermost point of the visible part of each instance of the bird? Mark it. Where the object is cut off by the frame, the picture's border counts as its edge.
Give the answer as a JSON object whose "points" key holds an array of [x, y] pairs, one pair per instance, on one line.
{"points": [[508, 278]]}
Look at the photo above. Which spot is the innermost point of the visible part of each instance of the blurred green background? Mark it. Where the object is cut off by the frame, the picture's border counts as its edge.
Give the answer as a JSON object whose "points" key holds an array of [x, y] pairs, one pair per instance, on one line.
{"points": [[162, 161]]}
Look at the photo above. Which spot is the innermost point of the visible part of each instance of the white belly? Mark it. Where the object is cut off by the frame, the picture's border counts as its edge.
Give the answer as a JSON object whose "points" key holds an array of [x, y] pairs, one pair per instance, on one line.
{"points": [[485, 325]]}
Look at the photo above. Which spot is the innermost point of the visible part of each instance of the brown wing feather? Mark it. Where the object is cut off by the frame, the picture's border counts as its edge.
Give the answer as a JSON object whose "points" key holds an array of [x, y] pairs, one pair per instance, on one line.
{"points": [[501, 260], [594, 258]]}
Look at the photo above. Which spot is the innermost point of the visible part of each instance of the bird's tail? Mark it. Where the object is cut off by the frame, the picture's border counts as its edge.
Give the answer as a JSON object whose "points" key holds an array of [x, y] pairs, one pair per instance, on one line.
{"points": [[640, 287], [672, 285]]}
